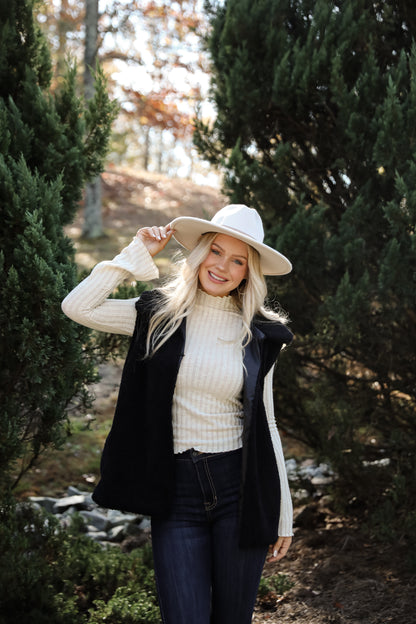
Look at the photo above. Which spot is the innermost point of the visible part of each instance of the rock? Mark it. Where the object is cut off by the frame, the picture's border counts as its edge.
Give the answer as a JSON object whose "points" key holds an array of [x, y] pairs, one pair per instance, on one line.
{"points": [[116, 533], [118, 517], [78, 501], [319, 481], [46, 502], [107, 527], [291, 468], [310, 470], [145, 524], [97, 519], [70, 511], [97, 536]]}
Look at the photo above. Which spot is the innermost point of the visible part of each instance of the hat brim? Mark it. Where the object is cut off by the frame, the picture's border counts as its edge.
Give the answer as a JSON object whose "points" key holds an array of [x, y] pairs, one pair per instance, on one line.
{"points": [[187, 231]]}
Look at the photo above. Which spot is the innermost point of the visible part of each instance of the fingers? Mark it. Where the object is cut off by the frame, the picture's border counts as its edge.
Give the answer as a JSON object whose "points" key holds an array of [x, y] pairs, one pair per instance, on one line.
{"points": [[280, 548], [159, 233], [155, 238], [156, 232]]}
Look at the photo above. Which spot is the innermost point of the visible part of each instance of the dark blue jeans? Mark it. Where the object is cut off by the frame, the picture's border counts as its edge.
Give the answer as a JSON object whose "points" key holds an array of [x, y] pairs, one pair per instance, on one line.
{"points": [[202, 574]]}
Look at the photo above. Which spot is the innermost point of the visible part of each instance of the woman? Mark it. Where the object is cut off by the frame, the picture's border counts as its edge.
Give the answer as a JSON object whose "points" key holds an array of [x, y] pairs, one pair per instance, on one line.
{"points": [[194, 442]]}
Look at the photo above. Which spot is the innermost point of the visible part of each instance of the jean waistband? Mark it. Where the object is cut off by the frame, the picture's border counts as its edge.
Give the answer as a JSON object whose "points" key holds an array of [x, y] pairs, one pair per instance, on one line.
{"points": [[195, 455]]}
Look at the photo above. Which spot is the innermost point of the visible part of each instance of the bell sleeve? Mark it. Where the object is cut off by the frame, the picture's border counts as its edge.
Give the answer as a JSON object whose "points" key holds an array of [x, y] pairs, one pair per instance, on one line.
{"points": [[88, 303]]}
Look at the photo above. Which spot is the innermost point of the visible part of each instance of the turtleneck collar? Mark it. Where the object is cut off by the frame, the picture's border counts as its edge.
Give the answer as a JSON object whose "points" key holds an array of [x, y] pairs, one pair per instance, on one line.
{"points": [[219, 303]]}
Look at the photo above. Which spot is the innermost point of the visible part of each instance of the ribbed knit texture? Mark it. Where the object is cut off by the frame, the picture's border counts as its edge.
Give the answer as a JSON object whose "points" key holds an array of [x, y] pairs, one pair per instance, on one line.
{"points": [[207, 410]]}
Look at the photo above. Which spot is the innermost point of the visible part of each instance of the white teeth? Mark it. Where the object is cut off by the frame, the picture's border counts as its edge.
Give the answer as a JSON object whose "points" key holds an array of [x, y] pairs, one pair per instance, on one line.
{"points": [[221, 279]]}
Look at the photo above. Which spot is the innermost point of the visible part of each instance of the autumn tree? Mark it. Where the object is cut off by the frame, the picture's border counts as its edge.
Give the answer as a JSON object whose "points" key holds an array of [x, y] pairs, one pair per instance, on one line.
{"points": [[158, 35], [49, 147], [316, 120]]}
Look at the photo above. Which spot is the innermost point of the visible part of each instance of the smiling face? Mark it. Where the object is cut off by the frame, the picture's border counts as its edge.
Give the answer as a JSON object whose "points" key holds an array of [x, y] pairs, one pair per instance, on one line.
{"points": [[225, 266]]}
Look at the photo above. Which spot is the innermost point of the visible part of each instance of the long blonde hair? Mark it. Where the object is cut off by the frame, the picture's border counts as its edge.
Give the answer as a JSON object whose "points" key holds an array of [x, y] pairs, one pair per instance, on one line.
{"points": [[180, 295]]}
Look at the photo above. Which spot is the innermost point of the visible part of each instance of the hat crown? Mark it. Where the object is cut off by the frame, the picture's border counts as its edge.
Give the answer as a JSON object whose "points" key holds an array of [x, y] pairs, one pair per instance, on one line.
{"points": [[241, 218]]}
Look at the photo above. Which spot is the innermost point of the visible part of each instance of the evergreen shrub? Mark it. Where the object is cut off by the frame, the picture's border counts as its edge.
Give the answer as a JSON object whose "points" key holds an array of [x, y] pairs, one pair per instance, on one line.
{"points": [[315, 127], [49, 575], [50, 144]]}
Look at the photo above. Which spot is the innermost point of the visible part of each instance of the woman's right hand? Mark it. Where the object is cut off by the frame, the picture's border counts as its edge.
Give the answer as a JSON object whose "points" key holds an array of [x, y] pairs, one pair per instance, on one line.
{"points": [[155, 238]]}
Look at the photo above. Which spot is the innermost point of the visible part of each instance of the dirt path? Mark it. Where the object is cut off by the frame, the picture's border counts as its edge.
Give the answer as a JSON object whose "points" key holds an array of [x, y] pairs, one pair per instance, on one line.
{"points": [[340, 577]]}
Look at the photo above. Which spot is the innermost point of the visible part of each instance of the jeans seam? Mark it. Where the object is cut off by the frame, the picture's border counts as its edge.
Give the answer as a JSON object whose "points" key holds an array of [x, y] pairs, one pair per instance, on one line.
{"points": [[213, 504]]}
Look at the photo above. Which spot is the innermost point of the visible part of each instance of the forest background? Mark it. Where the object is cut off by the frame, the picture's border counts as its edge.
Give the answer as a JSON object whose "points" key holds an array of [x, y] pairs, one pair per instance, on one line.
{"points": [[312, 110]]}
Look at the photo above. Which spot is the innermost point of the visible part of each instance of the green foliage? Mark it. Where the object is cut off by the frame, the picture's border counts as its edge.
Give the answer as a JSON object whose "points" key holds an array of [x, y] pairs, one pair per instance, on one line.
{"points": [[52, 576], [127, 606], [49, 147], [276, 583], [315, 127]]}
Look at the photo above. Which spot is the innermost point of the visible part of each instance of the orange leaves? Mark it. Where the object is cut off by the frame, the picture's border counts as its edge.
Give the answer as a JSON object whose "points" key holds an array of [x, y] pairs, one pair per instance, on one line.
{"points": [[160, 110]]}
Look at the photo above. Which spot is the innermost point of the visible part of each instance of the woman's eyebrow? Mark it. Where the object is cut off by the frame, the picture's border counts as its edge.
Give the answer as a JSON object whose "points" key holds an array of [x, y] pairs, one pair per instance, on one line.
{"points": [[234, 255]]}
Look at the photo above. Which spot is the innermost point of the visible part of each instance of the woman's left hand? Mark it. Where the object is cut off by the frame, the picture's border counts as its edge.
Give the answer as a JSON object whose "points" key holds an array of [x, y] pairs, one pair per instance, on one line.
{"points": [[279, 549]]}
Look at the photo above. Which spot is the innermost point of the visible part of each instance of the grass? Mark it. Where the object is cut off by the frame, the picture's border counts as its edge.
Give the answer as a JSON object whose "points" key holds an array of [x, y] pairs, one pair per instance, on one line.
{"points": [[75, 463]]}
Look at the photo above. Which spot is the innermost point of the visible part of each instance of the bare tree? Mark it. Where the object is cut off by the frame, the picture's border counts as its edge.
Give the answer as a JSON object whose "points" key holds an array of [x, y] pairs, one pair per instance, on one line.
{"points": [[93, 223]]}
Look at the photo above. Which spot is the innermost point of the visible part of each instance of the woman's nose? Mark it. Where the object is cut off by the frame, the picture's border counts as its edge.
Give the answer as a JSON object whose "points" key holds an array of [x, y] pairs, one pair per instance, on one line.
{"points": [[222, 263]]}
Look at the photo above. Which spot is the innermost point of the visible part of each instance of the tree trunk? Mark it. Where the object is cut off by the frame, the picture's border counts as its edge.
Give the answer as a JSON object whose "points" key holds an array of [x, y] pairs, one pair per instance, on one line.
{"points": [[146, 153], [62, 38], [93, 224]]}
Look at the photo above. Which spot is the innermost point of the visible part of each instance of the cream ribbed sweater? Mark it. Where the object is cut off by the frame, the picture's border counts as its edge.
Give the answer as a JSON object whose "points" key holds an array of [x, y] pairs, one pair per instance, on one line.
{"points": [[207, 410]]}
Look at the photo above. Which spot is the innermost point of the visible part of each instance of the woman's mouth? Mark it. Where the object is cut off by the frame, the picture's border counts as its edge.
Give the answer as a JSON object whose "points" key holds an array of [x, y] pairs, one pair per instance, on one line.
{"points": [[216, 278]]}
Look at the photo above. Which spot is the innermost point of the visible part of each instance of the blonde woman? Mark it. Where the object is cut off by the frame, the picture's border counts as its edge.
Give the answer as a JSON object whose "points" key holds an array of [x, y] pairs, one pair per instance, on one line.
{"points": [[194, 442]]}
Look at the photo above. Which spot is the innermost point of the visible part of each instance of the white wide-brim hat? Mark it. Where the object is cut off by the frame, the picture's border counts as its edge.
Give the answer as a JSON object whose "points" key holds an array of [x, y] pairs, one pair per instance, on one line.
{"points": [[240, 222]]}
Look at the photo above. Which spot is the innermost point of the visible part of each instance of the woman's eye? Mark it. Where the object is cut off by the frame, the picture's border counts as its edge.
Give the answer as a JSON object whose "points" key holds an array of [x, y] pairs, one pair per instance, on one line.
{"points": [[238, 262], [215, 251]]}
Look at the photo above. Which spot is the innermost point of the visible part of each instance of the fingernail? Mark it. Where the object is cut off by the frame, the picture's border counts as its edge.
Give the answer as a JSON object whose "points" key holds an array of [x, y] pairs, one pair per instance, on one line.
{"points": [[275, 553]]}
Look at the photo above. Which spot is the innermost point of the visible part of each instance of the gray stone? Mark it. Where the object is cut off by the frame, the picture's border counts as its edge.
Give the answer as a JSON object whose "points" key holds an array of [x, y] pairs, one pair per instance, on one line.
{"points": [[70, 511], [47, 502], [117, 517], [73, 491], [116, 533], [318, 480], [77, 500], [292, 468], [98, 536], [36, 506], [145, 524], [95, 518], [89, 501]]}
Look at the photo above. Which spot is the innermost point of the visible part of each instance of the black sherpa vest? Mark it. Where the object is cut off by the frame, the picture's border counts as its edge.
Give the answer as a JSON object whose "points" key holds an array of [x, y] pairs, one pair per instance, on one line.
{"points": [[137, 464]]}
